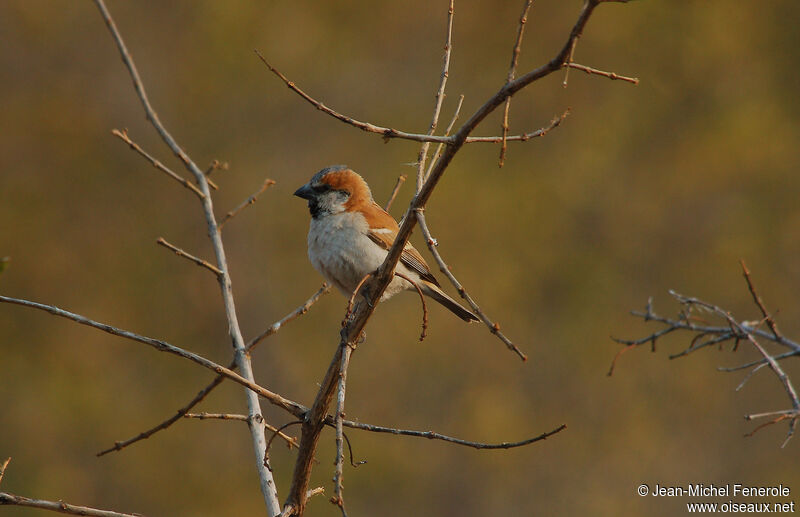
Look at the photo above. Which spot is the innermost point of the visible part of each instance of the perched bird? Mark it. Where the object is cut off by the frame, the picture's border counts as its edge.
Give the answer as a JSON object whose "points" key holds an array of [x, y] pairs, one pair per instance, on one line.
{"points": [[350, 236]]}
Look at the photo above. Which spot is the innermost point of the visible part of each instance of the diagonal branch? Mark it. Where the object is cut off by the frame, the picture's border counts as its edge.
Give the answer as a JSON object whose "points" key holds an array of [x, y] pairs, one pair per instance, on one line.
{"points": [[123, 135], [59, 506]]}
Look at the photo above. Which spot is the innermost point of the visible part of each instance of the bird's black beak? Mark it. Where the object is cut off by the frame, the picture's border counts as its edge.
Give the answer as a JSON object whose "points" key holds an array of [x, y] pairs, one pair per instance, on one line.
{"points": [[304, 192]]}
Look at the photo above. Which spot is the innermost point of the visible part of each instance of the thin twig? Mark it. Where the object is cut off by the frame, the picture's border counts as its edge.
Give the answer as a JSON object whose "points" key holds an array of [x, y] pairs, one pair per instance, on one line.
{"points": [[353, 462], [437, 106], [424, 306], [179, 252], [338, 476], [123, 135], [449, 128], [215, 165], [568, 61], [775, 420], [554, 123], [59, 506], [247, 202], [594, 71], [759, 303], [512, 70], [3, 468], [619, 353], [400, 180], [279, 432], [493, 326], [352, 299], [431, 435], [364, 126], [291, 441], [217, 416]]}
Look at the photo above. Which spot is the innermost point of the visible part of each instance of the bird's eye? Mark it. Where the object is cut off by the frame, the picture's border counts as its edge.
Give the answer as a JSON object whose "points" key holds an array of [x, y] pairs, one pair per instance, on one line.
{"points": [[319, 189]]}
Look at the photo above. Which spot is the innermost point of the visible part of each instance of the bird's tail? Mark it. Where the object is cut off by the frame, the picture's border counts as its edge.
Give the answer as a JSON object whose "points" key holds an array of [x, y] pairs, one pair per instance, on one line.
{"points": [[437, 294]]}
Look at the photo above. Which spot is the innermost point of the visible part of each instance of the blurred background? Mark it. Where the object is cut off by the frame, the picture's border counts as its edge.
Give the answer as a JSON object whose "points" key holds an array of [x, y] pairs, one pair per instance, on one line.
{"points": [[664, 185]]}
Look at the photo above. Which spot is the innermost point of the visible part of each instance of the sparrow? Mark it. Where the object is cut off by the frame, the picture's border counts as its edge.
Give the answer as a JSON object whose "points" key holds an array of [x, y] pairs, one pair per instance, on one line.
{"points": [[350, 236]]}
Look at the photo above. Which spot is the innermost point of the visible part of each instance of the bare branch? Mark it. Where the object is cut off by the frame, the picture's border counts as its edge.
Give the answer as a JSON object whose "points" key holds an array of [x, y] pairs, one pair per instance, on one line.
{"points": [[431, 435], [594, 71], [400, 180], [493, 326], [179, 252], [247, 202], [437, 107], [123, 135], [59, 506], [554, 123], [213, 166], [162, 346], [512, 70], [387, 132]]}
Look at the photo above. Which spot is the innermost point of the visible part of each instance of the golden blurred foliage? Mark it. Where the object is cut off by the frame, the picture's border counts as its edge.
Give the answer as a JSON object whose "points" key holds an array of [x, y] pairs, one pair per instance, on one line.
{"points": [[664, 185]]}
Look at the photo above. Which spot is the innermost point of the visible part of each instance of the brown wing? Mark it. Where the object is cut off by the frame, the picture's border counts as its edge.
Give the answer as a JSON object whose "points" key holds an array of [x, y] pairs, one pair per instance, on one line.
{"points": [[383, 231]]}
